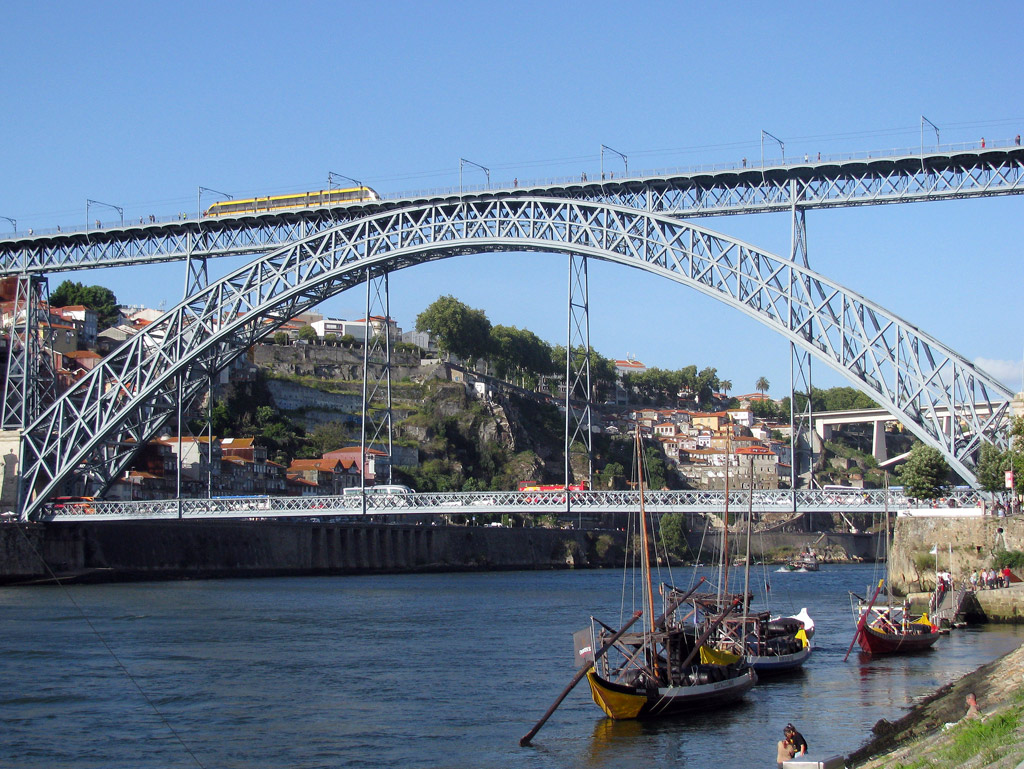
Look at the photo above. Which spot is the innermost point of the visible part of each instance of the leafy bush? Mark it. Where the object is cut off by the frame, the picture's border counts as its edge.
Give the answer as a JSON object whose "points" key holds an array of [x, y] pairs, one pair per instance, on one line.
{"points": [[924, 562], [1012, 558]]}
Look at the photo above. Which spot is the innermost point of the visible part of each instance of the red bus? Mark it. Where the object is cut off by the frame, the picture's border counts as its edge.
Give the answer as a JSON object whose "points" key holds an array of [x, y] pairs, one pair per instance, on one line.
{"points": [[533, 486], [549, 492]]}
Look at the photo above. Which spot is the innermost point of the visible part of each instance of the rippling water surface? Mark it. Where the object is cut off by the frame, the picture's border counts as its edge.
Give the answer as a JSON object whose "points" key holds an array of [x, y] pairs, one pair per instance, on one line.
{"points": [[440, 670]]}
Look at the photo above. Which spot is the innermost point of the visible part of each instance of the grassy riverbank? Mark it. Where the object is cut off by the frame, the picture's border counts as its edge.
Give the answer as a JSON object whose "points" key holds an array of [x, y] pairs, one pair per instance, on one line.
{"points": [[920, 741]]}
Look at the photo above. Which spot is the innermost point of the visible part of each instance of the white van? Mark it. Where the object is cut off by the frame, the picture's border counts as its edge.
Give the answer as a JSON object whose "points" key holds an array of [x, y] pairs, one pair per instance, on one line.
{"points": [[387, 495]]}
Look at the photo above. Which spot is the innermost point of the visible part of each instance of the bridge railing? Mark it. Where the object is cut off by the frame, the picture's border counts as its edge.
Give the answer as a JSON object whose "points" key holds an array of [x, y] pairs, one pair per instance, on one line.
{"points": [[764, 502], [563, 180]]}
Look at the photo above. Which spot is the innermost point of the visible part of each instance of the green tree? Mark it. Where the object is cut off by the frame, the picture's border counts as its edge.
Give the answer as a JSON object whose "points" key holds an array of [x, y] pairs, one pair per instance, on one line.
{"points": [[308, 334], [602, 370], [611, 475], [459, 329], [673, 534], [519, 353], [924, 474], [1016, 453], [329, 436], [762, 385], [281, 337], [725, 385], [992, 466], [706, 384], [97, 298]]}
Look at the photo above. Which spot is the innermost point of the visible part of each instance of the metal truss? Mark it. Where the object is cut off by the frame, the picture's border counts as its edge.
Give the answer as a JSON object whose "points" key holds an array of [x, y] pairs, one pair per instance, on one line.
{"points": [[870, 181], [766, 503], [95, 428], [31, 382], [578, 392], [377, 415], [801, 426]]}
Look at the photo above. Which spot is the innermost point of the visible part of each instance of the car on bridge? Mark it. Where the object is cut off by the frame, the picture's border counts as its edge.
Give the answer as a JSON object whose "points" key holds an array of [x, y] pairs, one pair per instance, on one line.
{"points": [[73, 506]]}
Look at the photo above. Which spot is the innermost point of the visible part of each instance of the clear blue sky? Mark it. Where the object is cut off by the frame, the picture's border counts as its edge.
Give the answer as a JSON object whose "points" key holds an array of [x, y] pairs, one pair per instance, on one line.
{"points": [[137, 104]]}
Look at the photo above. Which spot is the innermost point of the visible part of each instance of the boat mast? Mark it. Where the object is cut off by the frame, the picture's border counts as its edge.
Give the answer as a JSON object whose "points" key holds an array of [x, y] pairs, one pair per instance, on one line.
{"points": [[646, 557], [746, 563], [888, 591], [725, 530]]}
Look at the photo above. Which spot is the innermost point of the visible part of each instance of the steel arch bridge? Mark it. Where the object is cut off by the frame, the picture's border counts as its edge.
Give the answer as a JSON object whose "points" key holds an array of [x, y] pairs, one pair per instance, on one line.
{"points": [[94, 429]]}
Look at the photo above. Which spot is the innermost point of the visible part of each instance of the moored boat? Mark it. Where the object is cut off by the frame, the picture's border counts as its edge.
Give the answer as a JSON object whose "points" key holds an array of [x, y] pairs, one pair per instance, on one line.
{"points": [[667, 667], [889, 629], [883, 635]]}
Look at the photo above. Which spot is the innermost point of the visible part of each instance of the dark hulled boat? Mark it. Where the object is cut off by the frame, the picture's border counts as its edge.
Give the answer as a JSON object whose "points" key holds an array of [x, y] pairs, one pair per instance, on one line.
{"points": [[665, 668], [903, 639], [889, 629]]}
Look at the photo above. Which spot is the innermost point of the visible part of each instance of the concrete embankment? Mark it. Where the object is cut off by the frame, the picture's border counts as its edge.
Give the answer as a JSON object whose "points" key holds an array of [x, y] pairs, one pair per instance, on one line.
{"points": [[114, 551], [140, 550]]}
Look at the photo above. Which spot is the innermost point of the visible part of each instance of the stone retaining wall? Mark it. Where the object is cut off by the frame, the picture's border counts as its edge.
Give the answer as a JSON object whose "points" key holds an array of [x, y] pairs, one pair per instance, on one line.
{"points": [[114, 551], [973, 542]]}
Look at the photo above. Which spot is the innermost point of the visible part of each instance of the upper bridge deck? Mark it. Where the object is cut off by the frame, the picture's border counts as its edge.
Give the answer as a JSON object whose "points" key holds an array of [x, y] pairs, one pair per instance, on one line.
{"points": [[899, 176]]}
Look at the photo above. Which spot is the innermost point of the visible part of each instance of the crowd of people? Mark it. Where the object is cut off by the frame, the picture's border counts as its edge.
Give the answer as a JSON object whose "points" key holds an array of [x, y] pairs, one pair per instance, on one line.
{"points": [[985, 579], [990, 579]]}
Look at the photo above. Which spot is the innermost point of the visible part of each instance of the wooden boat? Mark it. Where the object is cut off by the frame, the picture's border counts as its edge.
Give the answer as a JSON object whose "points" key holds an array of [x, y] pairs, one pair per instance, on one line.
{"points": [[667, 667], [886, 634], [888, 629], [769, 646]]}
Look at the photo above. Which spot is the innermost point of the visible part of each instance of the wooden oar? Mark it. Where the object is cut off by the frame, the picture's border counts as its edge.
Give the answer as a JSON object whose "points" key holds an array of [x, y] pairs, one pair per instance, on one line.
{"points": [[864, 618], [577, 678]]}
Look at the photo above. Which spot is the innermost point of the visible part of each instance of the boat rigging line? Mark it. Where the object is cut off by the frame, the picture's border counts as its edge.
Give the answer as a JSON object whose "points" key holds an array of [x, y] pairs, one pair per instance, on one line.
{"points": [[107, 646]]}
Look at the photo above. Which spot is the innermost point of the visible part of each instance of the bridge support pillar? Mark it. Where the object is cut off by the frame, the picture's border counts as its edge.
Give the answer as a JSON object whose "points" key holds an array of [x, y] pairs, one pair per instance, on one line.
{"points": [[878, 449], [578, 395], [30, 385], [10, 453], [376, 422], [801, 421]]}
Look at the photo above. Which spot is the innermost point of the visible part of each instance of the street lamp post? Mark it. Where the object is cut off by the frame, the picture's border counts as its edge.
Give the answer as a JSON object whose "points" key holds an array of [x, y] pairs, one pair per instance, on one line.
{"points": [[199, 200], [463, 162], [935, 127], [89, 203], [332, 174], [14, 222], [777, 139], [625, 160]]}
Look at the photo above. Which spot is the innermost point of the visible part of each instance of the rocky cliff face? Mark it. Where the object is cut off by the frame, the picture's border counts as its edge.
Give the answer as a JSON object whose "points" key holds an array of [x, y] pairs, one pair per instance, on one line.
{"points": [[327, 362]]}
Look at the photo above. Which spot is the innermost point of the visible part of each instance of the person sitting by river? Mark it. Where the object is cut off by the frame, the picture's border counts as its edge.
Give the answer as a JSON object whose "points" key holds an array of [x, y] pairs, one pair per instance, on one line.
{"points": [[973, 712], [792, 746]]}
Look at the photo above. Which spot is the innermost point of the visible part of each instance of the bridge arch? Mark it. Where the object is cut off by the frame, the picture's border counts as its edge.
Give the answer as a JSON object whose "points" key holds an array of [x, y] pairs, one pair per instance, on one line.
{"points": [[95, 428]]}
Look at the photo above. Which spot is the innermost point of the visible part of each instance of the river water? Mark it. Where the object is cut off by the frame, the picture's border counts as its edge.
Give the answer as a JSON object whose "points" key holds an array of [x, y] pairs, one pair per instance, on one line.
{"points": [[437, 670]]}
